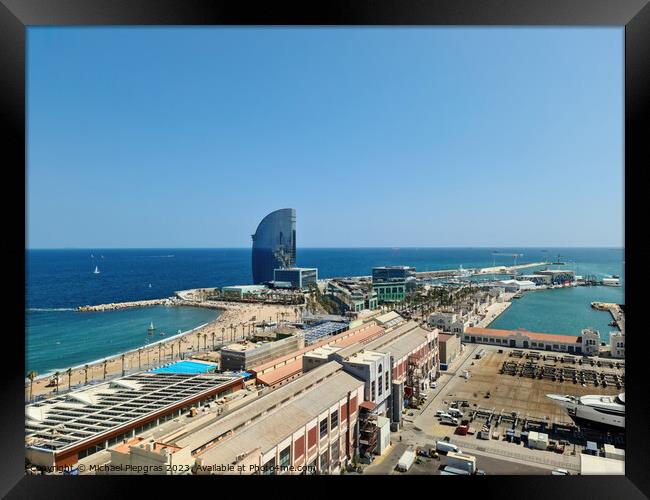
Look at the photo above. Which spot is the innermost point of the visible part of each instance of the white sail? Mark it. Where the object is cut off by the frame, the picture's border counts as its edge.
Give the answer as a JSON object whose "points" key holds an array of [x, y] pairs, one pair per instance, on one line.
{"points": [[96, 271]]}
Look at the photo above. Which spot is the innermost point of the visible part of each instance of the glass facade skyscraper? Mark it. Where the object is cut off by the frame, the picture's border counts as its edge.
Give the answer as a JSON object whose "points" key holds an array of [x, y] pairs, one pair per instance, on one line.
{"points": [[274, 244]]}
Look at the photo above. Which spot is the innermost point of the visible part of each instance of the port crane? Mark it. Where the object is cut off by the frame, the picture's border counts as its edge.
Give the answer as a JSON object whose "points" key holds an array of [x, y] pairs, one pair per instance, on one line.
{"points": [[503, 254]]}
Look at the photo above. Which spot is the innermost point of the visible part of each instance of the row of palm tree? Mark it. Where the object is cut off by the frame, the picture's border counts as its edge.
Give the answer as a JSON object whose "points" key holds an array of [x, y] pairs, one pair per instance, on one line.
{"points": [[248, 329]]}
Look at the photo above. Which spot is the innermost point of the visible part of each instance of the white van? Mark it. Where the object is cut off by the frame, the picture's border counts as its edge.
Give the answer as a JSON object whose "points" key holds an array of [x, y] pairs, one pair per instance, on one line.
{"points": [[446, 447]]}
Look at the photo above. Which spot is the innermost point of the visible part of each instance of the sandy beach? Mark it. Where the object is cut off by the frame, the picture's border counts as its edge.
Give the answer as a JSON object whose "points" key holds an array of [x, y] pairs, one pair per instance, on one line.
{"points": [[233, 324]]}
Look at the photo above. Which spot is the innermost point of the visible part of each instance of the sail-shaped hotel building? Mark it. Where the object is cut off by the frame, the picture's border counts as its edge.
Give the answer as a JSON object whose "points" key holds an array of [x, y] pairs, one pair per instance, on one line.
{"points": [[274, 244]]}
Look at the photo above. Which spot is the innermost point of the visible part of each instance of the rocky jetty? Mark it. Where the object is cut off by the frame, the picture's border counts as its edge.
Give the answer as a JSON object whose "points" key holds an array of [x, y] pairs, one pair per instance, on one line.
{"points": [[126, 305]]}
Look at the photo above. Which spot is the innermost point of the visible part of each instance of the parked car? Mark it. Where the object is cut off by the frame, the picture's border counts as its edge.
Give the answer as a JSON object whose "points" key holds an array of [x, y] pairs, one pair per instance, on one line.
{"points": [[455, 412], [449, 420]]}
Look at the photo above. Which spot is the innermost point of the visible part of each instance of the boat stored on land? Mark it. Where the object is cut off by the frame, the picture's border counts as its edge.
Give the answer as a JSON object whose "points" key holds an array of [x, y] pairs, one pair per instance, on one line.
{"points": [[594, 410]]}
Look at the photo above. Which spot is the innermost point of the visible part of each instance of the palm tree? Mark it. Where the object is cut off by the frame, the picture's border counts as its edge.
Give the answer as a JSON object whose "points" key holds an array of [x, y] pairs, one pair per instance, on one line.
{"points": [[69, 373], [86, 374], [122, 364], [159, 353], [205, 340], [172, 346], [105, 362], [179, 349], [213, 335], [198, 341], [223, 331], [139, 354], [31, 376], [56, 379]]}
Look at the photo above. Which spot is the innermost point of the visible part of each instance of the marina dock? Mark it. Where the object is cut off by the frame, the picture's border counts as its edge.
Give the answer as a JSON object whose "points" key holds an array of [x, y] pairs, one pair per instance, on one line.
{"points": [[616, 310]]}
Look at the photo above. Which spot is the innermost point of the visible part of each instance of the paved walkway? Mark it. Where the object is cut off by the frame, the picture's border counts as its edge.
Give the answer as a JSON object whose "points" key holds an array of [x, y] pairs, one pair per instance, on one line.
{"points": [[386, 463]]}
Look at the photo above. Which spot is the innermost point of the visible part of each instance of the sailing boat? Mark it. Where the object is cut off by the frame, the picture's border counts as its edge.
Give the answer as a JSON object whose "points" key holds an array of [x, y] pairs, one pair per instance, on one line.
{"points": [[150, 329], [96, 271]]}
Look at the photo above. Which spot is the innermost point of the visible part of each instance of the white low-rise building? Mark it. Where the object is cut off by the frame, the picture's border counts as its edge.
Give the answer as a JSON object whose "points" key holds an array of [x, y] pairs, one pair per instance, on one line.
{"points": [[617, 344], [590, 342], [447, 322], [517, 285]]}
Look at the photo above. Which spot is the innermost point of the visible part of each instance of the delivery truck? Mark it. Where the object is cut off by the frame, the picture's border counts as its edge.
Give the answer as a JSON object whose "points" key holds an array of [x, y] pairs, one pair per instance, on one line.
{"points": [[406, 460], [453, 471], [462, 461]]}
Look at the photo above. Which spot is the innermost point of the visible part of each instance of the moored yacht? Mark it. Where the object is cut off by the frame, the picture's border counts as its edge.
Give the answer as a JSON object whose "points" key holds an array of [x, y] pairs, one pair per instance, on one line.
{"points": [[594, 410]]}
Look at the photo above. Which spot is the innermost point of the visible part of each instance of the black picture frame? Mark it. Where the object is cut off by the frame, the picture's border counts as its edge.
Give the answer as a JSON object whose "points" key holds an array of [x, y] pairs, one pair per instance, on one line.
{"points": [[16, 15]]}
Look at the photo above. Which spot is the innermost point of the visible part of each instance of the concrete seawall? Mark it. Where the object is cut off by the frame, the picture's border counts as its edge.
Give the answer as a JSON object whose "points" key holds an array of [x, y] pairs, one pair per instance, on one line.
{"points": [[615, 310]]}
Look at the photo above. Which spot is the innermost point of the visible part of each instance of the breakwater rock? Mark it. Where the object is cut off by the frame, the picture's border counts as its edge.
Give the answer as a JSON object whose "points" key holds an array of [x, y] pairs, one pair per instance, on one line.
{"points": [[126, 305]]}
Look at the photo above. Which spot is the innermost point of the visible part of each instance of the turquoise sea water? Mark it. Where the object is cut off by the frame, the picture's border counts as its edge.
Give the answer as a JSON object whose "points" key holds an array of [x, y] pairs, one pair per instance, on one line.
{"points": [[58, 340], [567, 311], [57, 281], [563, 311]]}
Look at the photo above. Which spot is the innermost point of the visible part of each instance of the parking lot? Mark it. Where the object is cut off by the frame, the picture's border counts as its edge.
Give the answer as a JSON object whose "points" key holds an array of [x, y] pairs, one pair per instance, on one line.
{"points": [[524, 396], [488, 388]]}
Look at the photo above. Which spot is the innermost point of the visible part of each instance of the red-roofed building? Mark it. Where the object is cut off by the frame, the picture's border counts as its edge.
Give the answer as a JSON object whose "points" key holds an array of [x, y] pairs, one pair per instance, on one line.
{"points": [[524, 339], [285, 368]]}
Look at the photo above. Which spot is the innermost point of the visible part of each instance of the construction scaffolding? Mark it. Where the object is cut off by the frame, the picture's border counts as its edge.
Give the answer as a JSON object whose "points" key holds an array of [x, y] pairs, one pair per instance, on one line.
{"points": [[368, 433], [414, 378]]}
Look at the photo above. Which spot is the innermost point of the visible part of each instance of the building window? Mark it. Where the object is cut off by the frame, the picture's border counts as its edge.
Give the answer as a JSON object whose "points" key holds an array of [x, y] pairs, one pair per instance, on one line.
{"points": [[372, 391], [334, 419], [323, 428], [268, 469], [323, 462], [334, 454], [285, 456], [387, 382], [380, 387]]}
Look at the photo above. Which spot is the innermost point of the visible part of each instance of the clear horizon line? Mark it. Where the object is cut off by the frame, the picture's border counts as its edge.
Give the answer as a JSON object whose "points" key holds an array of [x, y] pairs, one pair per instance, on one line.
{"points": [[616, 247]]}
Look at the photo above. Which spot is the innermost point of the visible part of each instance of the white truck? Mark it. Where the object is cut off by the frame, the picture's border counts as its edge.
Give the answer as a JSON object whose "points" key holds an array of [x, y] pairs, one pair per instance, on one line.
{"points": [[406, 460], [453, 471], [462, 461], [447, 447]]}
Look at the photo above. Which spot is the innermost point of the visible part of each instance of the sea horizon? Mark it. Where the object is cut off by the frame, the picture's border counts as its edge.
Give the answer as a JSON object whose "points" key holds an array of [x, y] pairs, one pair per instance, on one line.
{"points": [[60, 280], [411, 247]]}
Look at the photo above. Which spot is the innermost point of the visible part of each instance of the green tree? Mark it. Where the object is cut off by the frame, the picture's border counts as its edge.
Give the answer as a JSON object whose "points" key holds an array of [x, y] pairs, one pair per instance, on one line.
{"points": [[31, 376]]}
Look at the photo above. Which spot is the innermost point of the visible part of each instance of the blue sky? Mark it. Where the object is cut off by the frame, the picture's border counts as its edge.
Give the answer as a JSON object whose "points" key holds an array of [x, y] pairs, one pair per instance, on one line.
{"points": [[187, 137]]}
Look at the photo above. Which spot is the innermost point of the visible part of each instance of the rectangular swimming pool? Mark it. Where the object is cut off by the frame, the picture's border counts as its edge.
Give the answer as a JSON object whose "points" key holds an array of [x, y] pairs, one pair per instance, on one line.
{"points": [[191, 367]]}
